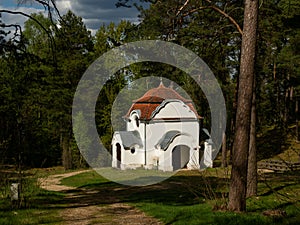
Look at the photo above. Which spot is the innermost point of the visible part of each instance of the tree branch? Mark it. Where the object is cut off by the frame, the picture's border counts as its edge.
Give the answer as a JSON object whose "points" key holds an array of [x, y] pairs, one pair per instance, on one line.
{"points": [[211, 6], [16, 26], [24, 14], [217, 9], [182, 7], [195, 10], [48, 32], [48, 5], [228, 17]]}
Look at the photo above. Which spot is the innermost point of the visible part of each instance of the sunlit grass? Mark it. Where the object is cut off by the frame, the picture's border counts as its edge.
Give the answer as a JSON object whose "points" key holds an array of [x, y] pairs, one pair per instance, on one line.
{"points": [[29, 216], [189, 197], [36, 204], [84, 179]]}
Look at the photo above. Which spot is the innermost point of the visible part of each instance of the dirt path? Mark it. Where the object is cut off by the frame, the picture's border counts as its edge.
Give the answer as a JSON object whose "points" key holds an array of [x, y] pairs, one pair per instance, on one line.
{"points": [[52, 182], [93, 207]]}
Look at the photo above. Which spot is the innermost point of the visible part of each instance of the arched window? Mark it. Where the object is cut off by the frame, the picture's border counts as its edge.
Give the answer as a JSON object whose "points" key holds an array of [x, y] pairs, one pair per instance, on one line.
{"points": [[137, 121]]}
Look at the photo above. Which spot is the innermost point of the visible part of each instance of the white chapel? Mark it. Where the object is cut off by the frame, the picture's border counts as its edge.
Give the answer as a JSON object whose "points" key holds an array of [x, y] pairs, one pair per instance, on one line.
{"points": [[162, 132]]}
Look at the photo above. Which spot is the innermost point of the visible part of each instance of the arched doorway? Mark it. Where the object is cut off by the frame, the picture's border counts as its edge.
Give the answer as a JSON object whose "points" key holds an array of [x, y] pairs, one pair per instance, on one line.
{"points": [[180, 156], [118, 155]]}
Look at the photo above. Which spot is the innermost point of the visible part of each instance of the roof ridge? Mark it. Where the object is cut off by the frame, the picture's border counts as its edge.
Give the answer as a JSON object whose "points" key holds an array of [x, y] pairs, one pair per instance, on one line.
{"points": [[154, 97]]}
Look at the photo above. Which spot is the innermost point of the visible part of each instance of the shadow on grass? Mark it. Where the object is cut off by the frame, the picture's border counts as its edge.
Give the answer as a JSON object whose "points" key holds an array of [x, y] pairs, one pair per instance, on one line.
{"points": [[272, 142], [276, 189], [179, 190], [181, 198]]}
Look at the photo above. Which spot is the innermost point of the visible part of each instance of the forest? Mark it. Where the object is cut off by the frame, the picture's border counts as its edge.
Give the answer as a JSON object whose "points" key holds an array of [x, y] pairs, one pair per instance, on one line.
{"points": [[42, 64]]}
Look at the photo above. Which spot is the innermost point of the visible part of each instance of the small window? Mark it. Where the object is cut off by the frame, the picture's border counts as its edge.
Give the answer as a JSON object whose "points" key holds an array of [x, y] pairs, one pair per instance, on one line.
{"points": [[137, 122], [132, 150]]}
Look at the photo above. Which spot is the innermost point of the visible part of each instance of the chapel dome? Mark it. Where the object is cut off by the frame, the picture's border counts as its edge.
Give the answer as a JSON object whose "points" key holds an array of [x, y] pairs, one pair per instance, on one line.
{"points": [[153, 98]]}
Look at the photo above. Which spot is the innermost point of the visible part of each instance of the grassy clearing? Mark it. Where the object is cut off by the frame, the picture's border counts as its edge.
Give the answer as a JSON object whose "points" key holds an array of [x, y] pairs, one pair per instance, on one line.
{"points": [[272, 145], [138, 177], [292, 154], [36, 204], [29, 216], [84, 179], [201, 214], [190, 197], [39, 210]]}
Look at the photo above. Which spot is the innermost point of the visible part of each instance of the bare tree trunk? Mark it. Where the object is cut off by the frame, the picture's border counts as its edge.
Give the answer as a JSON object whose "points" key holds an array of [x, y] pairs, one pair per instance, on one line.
{"points": [[66, 152], [297, 122], [286, 107], [224, 152], [238, 184], [252, 161], [231, 139]]}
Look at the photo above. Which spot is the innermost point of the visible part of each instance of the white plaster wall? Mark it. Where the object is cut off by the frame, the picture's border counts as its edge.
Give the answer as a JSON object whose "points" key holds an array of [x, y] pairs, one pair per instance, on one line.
{"points": [[136, 158], [154, 132], [131, 125], [175, 109], [116, 139], [127, 158], [156, 129], [166, 156]]}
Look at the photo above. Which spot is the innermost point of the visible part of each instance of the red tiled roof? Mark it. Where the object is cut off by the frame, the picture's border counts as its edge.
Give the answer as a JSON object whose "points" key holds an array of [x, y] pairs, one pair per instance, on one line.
{"points": [[153, 98]]}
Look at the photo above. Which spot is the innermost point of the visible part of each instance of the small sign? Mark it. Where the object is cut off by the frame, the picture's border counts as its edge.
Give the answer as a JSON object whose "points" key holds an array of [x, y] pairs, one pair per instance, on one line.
{"points": [[14, 190]]}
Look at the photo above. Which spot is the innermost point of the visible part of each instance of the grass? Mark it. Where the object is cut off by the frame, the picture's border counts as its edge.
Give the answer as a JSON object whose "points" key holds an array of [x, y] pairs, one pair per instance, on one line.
{"points": [[29, 216], [170, 214], [190, 197], [138, 177], [84, 179], [38, 210], [35, 206], [292, 153], [187, 197], [272, 145]]}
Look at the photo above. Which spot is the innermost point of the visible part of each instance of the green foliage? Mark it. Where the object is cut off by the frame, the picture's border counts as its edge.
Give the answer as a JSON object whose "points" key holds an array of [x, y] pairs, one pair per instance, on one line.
{"points": [[38, 77], [33, 206], [81, 128], [277, 63], [74, 47], [112, 35], [37, 88], [37, 37], [29, 217]]}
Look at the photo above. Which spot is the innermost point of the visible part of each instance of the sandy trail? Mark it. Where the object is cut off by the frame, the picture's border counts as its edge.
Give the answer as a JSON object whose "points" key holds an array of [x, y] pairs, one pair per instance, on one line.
{"points": [[52, 182], [84, 208]]}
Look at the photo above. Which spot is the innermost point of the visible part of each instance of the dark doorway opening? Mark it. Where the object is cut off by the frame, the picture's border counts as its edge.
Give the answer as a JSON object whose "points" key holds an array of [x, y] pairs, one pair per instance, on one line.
{"points": [[180, 156], [118, 155]]}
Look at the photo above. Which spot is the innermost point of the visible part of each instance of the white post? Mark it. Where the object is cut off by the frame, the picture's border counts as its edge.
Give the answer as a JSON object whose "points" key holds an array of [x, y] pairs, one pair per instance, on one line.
{"points": [[14, 191], [208, 153], [193, 163]]}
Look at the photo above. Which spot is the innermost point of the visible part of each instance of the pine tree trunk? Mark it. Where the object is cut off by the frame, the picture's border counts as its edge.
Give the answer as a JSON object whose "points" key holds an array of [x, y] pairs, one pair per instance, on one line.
{"points": [[252, 161], [286, 107], [238, 184], [66, 152], [224, 152], [297, 122]]}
